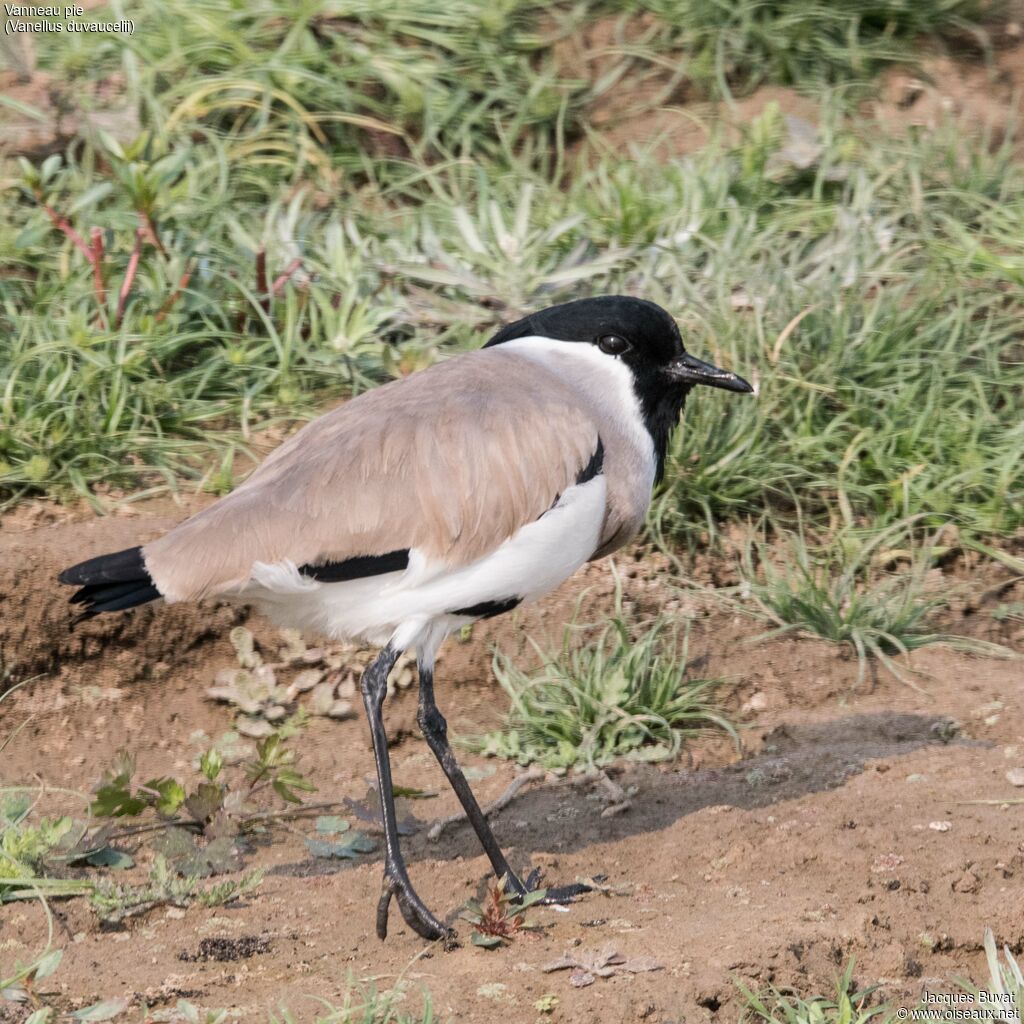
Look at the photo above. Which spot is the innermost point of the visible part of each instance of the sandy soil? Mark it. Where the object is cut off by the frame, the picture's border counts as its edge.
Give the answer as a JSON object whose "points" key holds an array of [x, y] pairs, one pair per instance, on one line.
{"points": [[821, 841]]}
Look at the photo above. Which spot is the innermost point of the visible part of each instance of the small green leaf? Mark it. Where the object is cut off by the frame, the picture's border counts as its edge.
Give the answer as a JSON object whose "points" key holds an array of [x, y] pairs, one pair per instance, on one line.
{"points": [[412, 794], [211, 763], [107, 1010], [330, 824], [485, 941], [172, 795], [108, 857], [90, 196], [347, 849], [115, 801], [204, 803], [532, 897], [48, 964], [31, 234]]}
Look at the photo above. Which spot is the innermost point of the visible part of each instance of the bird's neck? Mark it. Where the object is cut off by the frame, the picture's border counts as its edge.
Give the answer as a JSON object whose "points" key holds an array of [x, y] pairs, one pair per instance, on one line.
{"points": [[660, 408]]}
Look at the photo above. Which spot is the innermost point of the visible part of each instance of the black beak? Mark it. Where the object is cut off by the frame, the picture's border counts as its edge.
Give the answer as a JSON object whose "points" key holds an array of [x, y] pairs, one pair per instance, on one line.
{"points": [[689, 369]]}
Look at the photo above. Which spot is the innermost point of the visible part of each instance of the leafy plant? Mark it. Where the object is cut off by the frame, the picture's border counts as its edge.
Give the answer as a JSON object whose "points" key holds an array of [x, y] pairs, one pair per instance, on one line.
{"points": [[365, 1004], [326, 844], [207, 838], [501, 916], [838, 594], [798, 41], [847, 1006], [1003, 999], [115, 903], [615, 696]]}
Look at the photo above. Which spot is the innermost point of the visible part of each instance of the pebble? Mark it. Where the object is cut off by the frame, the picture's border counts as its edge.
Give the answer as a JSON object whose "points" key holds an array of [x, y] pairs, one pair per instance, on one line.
{"points": [[1015, 776], [940, 826]]}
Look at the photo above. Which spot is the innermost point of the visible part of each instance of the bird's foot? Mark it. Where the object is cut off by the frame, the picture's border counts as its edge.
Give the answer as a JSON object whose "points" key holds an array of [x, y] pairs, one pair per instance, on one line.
{"points": [[556, 895], [396, 883]]}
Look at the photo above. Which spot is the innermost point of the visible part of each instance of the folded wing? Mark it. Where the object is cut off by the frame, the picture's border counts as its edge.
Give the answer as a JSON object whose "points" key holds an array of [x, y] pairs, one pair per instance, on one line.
{"points": [[450, 462]]}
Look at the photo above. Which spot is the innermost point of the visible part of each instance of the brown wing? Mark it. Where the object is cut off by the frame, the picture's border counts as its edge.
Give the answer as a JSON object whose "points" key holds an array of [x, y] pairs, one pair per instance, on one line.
{"points": [[450, 461]]}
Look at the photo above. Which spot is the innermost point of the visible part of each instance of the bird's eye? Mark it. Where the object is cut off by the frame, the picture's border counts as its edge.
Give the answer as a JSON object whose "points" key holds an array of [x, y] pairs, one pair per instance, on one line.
{"points": [[613, 344]]}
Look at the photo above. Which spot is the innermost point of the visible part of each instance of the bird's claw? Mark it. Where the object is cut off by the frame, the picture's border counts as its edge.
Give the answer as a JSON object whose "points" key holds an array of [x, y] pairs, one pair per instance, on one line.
{"points": [[413, 910]]}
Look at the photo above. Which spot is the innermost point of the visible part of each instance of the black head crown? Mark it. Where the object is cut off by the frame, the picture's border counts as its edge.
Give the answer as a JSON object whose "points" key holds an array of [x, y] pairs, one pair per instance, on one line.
{"points": [[646, 339]]}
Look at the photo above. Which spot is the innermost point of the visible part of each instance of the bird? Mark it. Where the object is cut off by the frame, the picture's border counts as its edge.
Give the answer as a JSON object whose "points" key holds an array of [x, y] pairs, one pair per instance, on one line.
{"points": [[433, 501]]}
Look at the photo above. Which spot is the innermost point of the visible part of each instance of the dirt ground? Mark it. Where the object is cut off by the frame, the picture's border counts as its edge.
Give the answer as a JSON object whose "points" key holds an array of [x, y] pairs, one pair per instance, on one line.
{"points": [[845, 828]]}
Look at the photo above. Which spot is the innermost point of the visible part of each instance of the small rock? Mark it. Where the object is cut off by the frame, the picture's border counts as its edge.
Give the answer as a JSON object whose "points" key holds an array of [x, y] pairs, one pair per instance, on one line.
{"points": [[966, 883], [940, 826], [758, 702], [492, 990], [1015, 776]]}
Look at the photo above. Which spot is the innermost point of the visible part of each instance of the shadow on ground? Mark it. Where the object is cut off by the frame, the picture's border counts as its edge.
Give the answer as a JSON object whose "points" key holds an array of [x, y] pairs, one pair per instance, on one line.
{"points": [[794, 761]]}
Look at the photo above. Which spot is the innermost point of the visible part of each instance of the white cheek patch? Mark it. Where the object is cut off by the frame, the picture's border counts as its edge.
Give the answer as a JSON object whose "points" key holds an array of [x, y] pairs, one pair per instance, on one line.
{"points": [[605, 380]]}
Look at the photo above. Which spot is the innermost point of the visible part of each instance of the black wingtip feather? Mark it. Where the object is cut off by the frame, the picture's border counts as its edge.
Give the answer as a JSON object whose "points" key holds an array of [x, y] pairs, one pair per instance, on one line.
{"points": [[110, 583], [118, 567]]}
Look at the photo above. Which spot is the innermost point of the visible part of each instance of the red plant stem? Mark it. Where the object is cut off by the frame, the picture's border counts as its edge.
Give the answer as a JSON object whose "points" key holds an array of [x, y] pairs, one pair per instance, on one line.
{"points": [[96, 259], [282, 280], [129, 276], [175, 295], [153, 236], [64, 225]]}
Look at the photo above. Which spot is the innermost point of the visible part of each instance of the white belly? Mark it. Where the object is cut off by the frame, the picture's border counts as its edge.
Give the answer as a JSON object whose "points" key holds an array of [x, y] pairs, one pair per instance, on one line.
{"points": [[414, 608]]}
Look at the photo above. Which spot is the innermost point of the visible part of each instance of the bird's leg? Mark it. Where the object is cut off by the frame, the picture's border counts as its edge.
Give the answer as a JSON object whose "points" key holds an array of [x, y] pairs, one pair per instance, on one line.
{"points": [[374, 685], [435, 732]]}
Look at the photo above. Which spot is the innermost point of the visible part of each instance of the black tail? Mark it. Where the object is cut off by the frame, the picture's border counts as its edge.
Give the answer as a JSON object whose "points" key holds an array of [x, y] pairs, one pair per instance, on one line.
{"points": [[110, 583]]}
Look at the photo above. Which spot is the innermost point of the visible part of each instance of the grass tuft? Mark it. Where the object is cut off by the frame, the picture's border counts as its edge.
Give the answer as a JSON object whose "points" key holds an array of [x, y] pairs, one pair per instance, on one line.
{"points": [[626, 694], [847, 1006], [840, 594]]}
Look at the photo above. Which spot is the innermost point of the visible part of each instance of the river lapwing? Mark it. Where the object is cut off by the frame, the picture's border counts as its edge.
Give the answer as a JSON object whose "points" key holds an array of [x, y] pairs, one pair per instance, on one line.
{"points": [[451, 495]]}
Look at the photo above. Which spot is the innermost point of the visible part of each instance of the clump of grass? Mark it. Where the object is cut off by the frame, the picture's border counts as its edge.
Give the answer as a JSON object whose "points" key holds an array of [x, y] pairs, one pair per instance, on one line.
{"points": [[626, 694], [365, 1004], [748, 42], [1003, 1000], [847, 1006], [839, 593], [115, 903]]}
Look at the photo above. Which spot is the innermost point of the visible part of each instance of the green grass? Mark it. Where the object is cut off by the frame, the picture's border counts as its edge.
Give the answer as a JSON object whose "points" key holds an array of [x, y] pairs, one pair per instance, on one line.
{"points": [[847, 1005], [623, 693], [898, 392], [872, 292], [841, 592], [743, 43]]}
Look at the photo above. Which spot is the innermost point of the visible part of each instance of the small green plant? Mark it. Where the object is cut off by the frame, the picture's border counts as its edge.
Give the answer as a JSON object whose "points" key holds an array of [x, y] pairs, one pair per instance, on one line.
{"points": [[840, 594], [617, 696], [1003, 1000], [207, 838], [846, 1006], [364, 1004], [501, 916], [747, 42], [114, 903]]}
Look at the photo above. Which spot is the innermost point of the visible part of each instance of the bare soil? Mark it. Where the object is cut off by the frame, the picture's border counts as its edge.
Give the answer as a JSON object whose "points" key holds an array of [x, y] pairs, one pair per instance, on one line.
{"points": [[845, 828]]}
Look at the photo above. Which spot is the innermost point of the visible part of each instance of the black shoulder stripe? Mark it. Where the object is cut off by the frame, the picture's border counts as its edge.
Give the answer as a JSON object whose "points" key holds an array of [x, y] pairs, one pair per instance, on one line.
{"points": [[594, 467], [488, 609], [357, 567]]}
